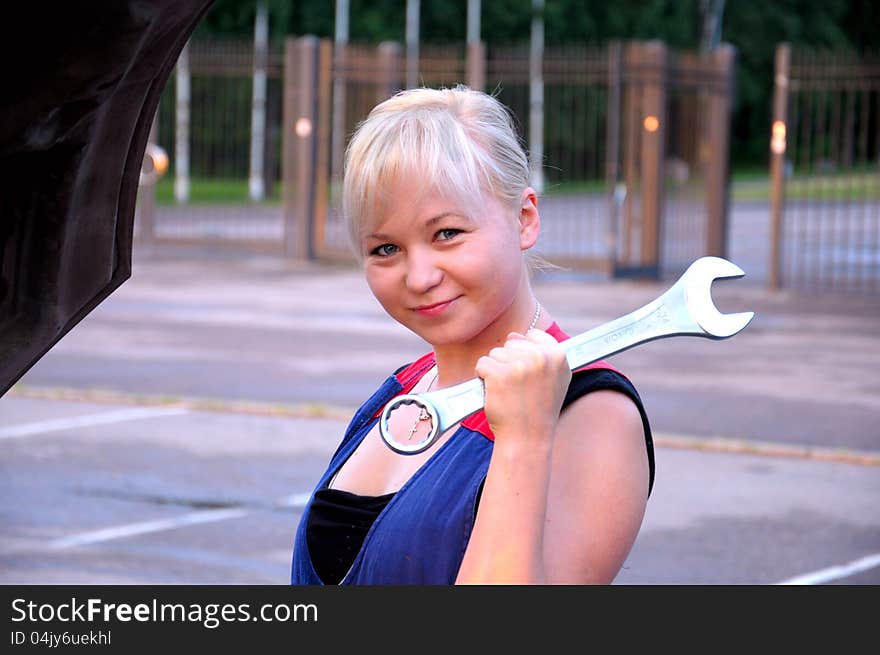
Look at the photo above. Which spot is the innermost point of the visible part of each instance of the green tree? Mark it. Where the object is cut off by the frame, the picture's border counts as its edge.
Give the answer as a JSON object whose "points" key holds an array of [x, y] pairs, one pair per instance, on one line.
{"points": [[754, 28]]}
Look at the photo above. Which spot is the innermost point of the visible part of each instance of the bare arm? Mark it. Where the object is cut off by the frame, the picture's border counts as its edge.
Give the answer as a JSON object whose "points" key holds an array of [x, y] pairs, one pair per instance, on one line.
{"points": [[564, 496], [598, 489]]}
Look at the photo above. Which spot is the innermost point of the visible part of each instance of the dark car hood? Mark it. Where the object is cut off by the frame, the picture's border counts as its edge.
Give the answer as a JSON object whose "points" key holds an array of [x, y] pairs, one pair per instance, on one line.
{"points": [[80, 88]]}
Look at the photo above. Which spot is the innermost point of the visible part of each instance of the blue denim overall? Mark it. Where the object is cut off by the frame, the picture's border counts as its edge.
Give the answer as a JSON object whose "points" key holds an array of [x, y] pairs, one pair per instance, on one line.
{"points": [[420, 537]]}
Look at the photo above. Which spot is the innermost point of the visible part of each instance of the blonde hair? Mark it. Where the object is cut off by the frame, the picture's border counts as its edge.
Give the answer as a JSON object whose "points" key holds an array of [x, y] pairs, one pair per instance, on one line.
{"points": [[455, 140]]}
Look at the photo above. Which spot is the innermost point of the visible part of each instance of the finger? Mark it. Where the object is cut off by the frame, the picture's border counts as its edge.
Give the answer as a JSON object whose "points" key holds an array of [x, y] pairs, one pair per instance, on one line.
{"points": [[538, 356], [546, 342], [520, 345], [487, 367], [501, 354], [540, 336], [513, 366]]}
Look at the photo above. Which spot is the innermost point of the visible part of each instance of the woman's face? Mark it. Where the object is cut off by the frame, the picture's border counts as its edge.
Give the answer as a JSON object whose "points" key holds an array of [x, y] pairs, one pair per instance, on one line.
{"points": [[444, 271]]}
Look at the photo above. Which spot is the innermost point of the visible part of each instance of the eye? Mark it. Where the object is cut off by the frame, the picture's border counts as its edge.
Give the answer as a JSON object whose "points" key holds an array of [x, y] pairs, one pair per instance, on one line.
{"points": [[446, 234], [385, 250]]}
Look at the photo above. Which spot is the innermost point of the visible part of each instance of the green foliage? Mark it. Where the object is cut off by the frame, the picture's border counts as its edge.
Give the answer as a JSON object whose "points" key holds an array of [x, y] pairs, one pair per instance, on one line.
{"points": [[755, 35], [754, 28], [211, 191]]}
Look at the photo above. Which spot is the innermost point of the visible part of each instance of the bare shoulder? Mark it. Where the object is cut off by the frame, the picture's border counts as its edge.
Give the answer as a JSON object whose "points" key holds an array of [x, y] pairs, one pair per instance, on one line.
{"points": [[598, 488], [601, 411]]}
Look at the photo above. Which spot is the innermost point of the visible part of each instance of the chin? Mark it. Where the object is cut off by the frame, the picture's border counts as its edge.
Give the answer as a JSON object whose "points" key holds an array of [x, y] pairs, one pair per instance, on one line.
{"points": [[447, 335]]}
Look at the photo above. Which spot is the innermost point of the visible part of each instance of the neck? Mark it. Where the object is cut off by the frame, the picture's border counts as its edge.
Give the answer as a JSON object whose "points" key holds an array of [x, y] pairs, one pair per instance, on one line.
{"points": [[456, 362]]}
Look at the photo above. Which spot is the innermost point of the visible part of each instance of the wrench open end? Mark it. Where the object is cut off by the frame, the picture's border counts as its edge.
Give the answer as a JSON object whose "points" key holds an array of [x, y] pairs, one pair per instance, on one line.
{"points": [[697, 280]]}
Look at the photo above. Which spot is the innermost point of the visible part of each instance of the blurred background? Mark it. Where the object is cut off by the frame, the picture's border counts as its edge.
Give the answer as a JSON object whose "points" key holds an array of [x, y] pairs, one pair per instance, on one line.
{"points": [[659, 131], [174, 435]]}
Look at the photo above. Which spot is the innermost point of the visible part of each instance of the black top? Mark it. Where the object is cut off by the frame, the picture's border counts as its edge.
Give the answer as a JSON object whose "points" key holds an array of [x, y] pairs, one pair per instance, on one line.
{"points": [[338, 524], [340, 520]]}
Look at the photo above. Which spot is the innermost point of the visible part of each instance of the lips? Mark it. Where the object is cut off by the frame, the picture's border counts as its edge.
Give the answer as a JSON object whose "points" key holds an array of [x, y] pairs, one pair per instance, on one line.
{"points": [[435, 309]]}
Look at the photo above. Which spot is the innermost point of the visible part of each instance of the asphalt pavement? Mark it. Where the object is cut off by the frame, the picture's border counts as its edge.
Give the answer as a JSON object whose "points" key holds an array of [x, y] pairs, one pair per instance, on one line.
{"points": [[171, 435]]}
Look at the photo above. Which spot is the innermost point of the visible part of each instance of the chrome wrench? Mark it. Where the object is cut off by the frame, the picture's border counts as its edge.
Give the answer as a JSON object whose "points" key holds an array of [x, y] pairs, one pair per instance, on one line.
{"points": [[685, 309]]}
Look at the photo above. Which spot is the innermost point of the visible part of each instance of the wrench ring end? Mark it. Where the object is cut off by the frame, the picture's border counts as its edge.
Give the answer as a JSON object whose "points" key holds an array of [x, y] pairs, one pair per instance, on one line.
{"points": [[409, 448]]}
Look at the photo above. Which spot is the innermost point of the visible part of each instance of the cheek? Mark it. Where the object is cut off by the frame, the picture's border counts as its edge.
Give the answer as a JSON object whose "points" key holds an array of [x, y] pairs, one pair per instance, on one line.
{"points": [[496, 269], [382, 285], [506, 252], [376, 282]]}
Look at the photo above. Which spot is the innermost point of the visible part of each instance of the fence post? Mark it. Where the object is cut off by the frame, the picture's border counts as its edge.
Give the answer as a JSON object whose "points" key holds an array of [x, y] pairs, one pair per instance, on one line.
{"points": [[181, 133], [476, 65], [256, 176], [718, 172], [476, 49], [536, 97], [777, 161], [299, 147], [630, 131], [652, 57], [616, 195], [388, 73], [340, 72], [323, 132]]}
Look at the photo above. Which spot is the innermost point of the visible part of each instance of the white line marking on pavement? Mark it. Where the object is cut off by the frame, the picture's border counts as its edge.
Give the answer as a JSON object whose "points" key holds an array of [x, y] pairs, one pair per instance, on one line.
{"points": [[835, 572], [145, 527], [298, 500], [103, 418]]}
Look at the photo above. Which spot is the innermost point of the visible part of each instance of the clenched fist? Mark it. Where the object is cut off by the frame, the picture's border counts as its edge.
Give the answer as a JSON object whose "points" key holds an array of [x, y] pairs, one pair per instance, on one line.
{"points": [[525, 380]]}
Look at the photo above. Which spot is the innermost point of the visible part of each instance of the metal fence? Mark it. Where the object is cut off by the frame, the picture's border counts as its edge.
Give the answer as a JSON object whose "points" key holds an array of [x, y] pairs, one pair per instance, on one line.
{"points": [[220, 110], [611, 202], [220, 74], [576, 225], [623, 194], [825, 153]]}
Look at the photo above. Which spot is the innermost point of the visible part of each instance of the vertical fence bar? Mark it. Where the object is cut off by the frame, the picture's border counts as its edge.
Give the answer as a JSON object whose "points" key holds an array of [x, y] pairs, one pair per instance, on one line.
{"points": [[874, 277], [832, 195], [808, 98], [476, 65], [794, 224], [777, 161], [340, 52], [820, 184], [181, 132], [257, 176], [322, 145], [848, 127], [388, 75], [632, 131], [413, 11], [536, 97], [339, 102], [653, 133], [615, 195], [862, 156], [717, 179]]}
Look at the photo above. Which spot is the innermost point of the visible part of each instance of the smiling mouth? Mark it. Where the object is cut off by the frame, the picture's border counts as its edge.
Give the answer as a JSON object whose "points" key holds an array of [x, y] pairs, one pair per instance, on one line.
{"points": [[436, 308]]}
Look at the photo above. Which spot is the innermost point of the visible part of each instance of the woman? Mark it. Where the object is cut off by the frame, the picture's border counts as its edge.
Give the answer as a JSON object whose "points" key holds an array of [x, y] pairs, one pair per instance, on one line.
{"points": [[548, 484]]}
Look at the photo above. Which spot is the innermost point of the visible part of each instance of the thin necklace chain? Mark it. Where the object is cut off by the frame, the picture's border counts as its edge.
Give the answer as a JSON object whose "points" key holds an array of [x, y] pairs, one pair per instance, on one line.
{"points": [[536, 316], [423, 415]]}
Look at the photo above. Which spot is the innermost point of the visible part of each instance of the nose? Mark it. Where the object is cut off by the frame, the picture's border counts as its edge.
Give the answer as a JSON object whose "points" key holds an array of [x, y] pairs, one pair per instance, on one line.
{"points": [[422, 272]]}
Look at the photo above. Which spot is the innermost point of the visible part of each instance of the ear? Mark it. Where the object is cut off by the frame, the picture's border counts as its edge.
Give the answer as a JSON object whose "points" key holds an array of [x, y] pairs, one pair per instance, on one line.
{"points": [[529, 219]]}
